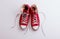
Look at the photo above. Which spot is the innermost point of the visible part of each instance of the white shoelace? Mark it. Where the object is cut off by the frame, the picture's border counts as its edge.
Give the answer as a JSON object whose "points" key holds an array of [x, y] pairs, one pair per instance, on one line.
{"points": [[24, 17], [43, 23]]}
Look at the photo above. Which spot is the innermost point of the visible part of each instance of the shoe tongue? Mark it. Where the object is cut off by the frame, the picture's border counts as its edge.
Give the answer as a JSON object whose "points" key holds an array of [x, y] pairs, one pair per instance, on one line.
{"points": [[34, 12], [25, 11]]}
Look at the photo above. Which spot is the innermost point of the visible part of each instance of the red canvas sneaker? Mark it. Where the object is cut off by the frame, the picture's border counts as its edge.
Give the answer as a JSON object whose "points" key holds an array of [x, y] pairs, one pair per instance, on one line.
{"points": [[24, 18], [34, 17]]}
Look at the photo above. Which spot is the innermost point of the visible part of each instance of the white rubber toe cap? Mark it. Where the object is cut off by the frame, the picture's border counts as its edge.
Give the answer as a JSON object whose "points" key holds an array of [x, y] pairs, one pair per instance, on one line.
{"points": [[23, 26], [35, 27]]}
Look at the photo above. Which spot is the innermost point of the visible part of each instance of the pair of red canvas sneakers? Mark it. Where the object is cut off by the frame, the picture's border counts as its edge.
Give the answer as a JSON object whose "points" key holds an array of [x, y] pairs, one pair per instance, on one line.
{"points": [[25, 16]]}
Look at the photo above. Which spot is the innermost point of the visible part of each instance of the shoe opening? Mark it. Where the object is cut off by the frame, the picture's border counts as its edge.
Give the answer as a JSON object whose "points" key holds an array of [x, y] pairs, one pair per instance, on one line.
{"points": [[26, 7]]}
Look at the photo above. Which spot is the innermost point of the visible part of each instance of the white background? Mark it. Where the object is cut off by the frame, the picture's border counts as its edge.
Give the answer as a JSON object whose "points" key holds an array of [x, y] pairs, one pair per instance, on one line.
{"points": [[9, 9]]}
